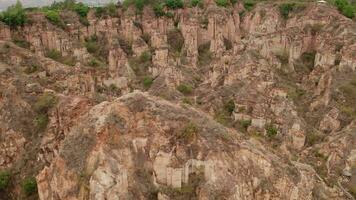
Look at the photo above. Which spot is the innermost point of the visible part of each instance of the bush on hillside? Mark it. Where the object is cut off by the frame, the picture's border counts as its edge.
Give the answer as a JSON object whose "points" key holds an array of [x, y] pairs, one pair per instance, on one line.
{"points": [[158, 9], [54, 18], [107, 10], [345, 8], [29, 186], [4, 179], [222, 3], [174, 4], [285, 9], [185, 89], [249, 4]]}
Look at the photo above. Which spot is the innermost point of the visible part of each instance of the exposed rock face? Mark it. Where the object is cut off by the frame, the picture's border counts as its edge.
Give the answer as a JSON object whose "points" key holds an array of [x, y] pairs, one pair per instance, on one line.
{"points": [[257, 105], [130, 141]]}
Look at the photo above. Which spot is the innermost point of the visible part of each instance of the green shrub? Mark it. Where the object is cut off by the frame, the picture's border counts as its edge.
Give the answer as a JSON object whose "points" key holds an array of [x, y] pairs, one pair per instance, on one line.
{"points": [[349, 11], [245, 124], [41, 122], [185, 89], [158, 9], [81, 9], [189, 132], [139, 4], [345, 8], [4, 179], [222, 117], [147, 81], [229, 107], [195, 3], [285, 9], [249, 5], [271, 131], [29, 186], [44, 103], [54, 18], [53, 54], [174, 4], [14, 15], [21, 43], [95, 63], [222, 3]]}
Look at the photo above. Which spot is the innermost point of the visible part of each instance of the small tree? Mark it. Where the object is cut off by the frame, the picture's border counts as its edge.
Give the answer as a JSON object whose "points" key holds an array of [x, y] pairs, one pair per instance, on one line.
{"points": [[14, 15], [158, 9]]}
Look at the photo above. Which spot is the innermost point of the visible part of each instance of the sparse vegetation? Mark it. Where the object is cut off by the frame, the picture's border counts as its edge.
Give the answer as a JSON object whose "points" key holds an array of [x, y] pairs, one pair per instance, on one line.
{"points": [[141, 63], [195, 3], [189, 190], [4, 179], [205, 56], [185, 89], [227, 44], [14, 15], [57, 56], [313, 138], [92, 44], [43, 104], [147, 81], [271, 131], [283, 57], [21, 42], [29, 186], [95, 63], [31, 68], [126, 45], [308, 59], [347, 98], [189, 133], [229, 106], [244, 124]]}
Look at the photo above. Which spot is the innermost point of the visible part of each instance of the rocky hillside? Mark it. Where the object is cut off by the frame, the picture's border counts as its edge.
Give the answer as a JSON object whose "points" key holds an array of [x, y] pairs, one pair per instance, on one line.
{"points": [[202, 100]]}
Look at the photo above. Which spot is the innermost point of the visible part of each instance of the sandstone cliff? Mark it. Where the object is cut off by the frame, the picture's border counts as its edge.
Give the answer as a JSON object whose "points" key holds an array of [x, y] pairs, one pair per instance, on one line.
{"points": [[206, 103]]}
